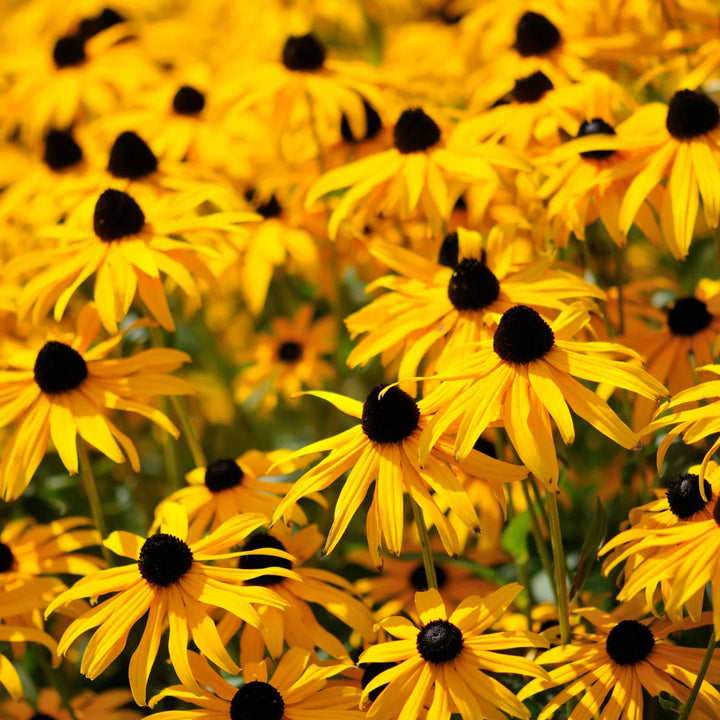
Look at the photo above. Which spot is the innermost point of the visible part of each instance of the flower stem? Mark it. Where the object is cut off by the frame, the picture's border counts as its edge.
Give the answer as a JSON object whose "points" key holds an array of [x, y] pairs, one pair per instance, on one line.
{"points": [[93, 497], [196, 450], [545, 559], [700, 677], [427, 556], [560, 572]]}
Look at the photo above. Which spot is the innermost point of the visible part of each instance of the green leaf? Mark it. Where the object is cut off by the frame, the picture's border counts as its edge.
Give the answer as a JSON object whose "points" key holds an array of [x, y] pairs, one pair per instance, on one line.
{"points": [[591, 544], [514, 537]]}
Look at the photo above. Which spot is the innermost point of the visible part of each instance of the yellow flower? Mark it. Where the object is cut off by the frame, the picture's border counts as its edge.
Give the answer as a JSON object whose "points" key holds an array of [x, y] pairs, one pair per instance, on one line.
{"points": [[66, 390], [613, 667], [170, 581], [298, 689], [384, 448], [128, 253], [443, 663], [525, 376], [86, 705]]}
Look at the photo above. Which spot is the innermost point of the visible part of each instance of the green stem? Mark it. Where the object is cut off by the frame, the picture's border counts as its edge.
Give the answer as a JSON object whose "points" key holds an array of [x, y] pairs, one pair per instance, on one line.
{"points": [[523, 571], [196, 450], [427, 556], [539, 500], [545, 559], [560, 572], [93, 497], [699, 679], [171, 465]]}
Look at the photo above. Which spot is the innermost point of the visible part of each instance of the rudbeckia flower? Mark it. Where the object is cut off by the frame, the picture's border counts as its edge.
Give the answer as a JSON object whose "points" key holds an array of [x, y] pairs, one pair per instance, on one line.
{"points": [[683, 141], [86, 705], [443, 662], [66, 389], [611, 669], [413, 175], [664, 549], [298, 689], [384, 448], [296, 625], [288, 360], [526, 375], [692, 423], [433, 307], [228, 487], [128, 252], [170, 581], [685, 342]]}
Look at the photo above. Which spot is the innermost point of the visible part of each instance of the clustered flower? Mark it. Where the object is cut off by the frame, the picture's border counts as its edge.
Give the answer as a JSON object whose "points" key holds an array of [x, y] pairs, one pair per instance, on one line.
{"points": [[484, 237]]}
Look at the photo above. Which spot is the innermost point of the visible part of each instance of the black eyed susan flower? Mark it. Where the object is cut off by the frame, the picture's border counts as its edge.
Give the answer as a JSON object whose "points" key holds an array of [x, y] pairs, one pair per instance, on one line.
{"points": [[683, 147], [525, 376], [664, 534], [384, 448], [228, 487], [128, 252], [443, 662], [433, 307], [289, 359], [170, 581], [611, 668], [65, 390], [298, 689], [296, 625], [86, 705], [413, 175]]}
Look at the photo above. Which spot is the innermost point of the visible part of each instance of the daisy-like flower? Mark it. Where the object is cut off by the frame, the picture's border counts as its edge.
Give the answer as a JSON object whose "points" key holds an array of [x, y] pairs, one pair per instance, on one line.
{"points": [[525, 376], [443, 662], [610, 668], [298, 689], [668, 535], [87, 705], [66, 390], [228, 487], [684, 146], [458, 299], [384, 448], [691, 422], [128, 253], [170, 581], [296, 625], [287, 360], [673, 352], [415, 174]]}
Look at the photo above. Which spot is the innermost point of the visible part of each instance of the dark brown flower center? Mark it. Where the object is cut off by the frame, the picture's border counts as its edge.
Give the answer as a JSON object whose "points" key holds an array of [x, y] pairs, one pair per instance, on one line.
{"points": [[473, 285], [260, 562], [439, 641], [691, 114], [596, 126], [61, 150], [449, 253], [532, 88], [257, 700], [7, 559], [164, 559], [535, 35], [418, 578], [629, 642], [415, 131], [89, 27], [59, 368], [303, 52], [390, 418], [131, 157], [117, 215], [222, 475], [188, 101], [290, 352], [522, 336], [684, 496], [69, 51], [688, 316]]}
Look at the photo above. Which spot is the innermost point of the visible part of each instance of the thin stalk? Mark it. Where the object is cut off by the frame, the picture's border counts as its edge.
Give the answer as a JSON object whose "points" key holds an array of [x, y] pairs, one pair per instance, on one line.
{"points": [[88, 479], [560, 572], [427, 556], [171, 465], [523, 571], [196, 450], [699, 679], [538, 498], [545, 559]]}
